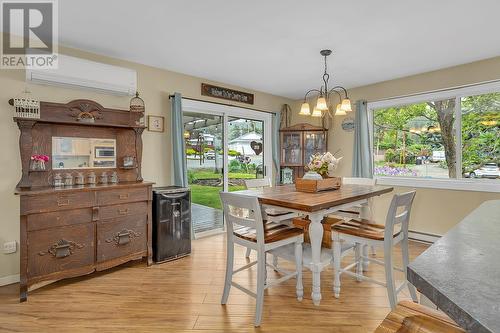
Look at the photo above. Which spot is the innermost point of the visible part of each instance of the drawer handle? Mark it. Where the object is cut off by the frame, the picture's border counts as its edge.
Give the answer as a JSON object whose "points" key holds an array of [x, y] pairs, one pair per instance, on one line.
{"points": [[63, 202], [62, 249], [123, 211], [124, 196], [123, 237]]}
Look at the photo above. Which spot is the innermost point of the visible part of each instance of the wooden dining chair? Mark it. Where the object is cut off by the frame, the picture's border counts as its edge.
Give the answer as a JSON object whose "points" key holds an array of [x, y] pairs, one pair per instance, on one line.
{"points": [[273, 215], [363, 232], [246, 227], [359, 211]]}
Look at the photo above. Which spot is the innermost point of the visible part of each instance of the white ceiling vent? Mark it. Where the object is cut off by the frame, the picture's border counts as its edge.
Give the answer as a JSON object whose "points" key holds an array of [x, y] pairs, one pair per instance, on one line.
{"points": [[85, 74]]}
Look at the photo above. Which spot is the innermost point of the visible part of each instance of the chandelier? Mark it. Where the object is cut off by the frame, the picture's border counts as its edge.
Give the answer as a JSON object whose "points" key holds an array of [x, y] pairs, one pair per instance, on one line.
{"points": [[322, 107]]}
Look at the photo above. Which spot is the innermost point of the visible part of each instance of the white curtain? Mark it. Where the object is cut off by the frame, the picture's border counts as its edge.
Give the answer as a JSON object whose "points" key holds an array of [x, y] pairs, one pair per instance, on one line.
{"points": [[362, 156]]}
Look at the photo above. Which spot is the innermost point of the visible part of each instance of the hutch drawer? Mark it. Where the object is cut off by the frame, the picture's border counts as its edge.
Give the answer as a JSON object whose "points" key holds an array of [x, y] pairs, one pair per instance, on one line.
{"points": [[123, 210], [60, 249], [59, 219], [112, 197], [121, 237], [57, 201]]}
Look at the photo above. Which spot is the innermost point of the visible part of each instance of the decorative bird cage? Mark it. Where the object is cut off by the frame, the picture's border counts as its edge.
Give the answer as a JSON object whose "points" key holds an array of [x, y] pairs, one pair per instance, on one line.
{"points": [[27, 106], [137, 110]]}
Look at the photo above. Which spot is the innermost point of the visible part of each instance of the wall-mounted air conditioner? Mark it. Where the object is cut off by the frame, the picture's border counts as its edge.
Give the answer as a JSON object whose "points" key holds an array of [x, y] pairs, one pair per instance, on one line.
{"points": [[85, 74]]}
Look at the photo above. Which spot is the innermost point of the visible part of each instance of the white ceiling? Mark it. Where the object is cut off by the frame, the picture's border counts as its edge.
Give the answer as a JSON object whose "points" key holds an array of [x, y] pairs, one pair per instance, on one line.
{"points": [[273, 45]]}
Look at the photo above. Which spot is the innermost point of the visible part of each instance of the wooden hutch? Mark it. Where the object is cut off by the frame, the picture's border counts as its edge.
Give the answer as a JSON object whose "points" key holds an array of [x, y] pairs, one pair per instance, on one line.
{"points": [[72, 230], [298, 143]]}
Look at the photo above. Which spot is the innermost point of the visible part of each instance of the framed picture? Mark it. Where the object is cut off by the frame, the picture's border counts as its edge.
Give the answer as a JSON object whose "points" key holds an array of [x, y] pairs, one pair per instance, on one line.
{"points": [[155, 123]]}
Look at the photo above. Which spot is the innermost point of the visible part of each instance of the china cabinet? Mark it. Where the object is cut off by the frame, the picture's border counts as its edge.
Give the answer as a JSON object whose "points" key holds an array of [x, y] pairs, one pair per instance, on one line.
{"points": [[74, 219], [298, 143]]}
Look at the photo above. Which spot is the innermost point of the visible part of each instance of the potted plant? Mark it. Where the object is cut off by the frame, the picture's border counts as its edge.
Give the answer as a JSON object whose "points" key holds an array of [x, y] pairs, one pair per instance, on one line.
{"points": [[38, 162]]}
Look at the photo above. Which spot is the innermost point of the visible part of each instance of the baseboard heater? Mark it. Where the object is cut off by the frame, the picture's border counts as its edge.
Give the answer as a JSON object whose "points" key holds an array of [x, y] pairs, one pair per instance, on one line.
{"points": [[423, 237]]}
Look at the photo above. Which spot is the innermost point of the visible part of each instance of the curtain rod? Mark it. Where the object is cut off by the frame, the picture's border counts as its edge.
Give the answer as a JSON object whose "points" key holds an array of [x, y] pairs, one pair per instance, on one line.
{"points": [[435, 91], [225, 104]]}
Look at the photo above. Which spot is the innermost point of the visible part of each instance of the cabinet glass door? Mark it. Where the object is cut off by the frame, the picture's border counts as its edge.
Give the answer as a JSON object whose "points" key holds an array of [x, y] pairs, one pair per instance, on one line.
{"points": [[291, 146], [314, 142]]}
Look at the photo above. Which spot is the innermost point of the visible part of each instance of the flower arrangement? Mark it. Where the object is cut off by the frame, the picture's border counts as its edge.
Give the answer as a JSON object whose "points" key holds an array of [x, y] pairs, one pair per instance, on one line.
{"points": [[323, 164], [39, 162]]}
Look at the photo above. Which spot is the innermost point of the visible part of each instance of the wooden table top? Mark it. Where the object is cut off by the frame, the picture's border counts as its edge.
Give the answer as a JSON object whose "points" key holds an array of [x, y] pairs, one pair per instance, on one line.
{"points": [[286, 196]]}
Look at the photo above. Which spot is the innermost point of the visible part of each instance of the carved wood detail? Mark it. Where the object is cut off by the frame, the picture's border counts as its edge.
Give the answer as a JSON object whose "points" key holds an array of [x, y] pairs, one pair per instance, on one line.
{"points": [[123, 237], [25, 147], [62, 249], [138, 149]]}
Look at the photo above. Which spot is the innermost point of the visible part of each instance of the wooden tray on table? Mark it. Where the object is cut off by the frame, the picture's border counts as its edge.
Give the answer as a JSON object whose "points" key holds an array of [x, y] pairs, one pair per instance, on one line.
{"points": [[318, 185]]}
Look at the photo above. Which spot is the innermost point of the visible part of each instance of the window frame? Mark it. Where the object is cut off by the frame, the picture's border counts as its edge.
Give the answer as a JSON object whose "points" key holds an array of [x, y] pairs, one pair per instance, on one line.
{"points": [[461, 184]]}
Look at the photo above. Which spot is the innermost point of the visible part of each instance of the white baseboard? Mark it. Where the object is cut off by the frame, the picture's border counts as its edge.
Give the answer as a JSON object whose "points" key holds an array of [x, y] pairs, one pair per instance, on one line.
{"points": [[9, 279], [423, 237]]}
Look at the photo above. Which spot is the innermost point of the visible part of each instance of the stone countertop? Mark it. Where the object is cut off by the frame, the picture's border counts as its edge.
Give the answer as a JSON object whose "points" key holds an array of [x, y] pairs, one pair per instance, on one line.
{"points": [[460, 273]]}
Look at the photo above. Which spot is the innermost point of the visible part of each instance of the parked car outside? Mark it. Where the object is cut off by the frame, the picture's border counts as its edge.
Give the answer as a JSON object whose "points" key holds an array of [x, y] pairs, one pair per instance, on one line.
{"points": [[210, 155], [437, 156], [488, 170]]}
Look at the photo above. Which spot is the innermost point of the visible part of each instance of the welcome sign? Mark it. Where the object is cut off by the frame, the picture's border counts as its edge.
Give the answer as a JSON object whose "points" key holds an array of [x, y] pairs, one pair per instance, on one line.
{"points": [[225, 93]]}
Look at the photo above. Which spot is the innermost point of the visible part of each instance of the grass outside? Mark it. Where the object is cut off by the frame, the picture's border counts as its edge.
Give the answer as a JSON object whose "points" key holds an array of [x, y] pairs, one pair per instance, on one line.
{"points": [[209, 195], [206, 174]]}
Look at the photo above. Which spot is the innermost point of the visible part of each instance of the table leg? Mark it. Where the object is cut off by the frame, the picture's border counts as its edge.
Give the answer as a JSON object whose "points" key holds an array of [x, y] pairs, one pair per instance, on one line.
{"points": [[316, 236]]}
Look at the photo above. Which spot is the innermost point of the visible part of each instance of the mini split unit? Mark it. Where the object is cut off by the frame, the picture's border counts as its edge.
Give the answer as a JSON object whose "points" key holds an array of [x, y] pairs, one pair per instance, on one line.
{"points": [[79, 73]]}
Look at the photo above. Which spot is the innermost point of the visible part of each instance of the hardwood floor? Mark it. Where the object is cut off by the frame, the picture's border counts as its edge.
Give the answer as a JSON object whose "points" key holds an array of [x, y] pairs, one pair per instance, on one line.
{"points": [[184, 296]]}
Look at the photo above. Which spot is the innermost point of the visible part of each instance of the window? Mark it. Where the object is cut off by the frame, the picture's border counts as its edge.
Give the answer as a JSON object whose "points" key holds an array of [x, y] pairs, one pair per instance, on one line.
{"points": [[439, 138]]}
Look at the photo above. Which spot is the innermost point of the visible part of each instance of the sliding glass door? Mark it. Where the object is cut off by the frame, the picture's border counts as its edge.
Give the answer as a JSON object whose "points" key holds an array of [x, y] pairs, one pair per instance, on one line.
{"points": [[203, 135], [224, 146]]}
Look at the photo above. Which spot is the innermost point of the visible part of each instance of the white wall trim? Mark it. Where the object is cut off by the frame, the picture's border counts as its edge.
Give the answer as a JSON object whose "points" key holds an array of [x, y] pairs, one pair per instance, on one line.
{"points": [[9, 279], [476, 89], [476, 185], [423, 236]]}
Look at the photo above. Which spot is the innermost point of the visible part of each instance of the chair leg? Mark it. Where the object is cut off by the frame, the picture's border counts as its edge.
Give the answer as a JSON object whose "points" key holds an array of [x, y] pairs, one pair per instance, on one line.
{"points": [[337, 258], [229, 272], [406, 260], [366, 262], [275, 262], [298, 267], [374, 253], [247, 254], [261, 279], [358, 260], [389, 277]]}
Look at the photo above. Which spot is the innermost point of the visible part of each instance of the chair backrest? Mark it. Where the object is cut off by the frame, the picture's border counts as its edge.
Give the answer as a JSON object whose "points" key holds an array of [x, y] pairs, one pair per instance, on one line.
{"points": [[242, 211], [257, 183], [359, 181], [399, 214]]}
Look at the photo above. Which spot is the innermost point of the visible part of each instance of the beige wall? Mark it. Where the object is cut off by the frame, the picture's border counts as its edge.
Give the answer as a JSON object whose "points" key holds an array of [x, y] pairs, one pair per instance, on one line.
{"points": [[434, 211], [154, 85]]}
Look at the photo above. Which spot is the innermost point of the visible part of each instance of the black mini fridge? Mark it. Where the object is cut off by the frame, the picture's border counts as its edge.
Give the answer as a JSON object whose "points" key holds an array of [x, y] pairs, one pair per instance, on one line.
{"points": [[171, 223]]}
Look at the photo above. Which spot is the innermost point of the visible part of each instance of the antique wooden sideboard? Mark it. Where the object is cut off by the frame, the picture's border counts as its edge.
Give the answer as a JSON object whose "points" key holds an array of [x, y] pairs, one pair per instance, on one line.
{"points": [[72, 230]]}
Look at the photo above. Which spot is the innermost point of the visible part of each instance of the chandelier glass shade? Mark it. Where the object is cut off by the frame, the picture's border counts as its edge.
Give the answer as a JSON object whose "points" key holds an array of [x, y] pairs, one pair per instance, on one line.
{"points": [[323, 105]]}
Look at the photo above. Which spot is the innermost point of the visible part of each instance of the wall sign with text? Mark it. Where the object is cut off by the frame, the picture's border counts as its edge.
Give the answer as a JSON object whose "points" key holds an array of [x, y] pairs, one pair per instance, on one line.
{"points": [[225, 93]]}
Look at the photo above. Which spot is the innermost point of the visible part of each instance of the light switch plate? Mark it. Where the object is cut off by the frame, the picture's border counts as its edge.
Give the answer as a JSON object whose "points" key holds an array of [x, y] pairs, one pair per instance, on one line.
{"points": [[9, 247]]}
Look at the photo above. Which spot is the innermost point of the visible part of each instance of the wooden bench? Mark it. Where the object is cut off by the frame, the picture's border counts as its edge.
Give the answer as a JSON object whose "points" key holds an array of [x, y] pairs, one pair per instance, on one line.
{"points": [[410, 317]]}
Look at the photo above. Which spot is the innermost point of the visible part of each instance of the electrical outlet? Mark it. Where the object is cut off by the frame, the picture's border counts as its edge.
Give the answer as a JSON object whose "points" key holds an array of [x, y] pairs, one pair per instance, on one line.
{"points": [[9, 247]]}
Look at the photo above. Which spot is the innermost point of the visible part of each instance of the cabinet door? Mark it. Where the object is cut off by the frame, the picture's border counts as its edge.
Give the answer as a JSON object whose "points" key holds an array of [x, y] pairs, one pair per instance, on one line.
{"points": [[314, 142], [291, 149]]}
